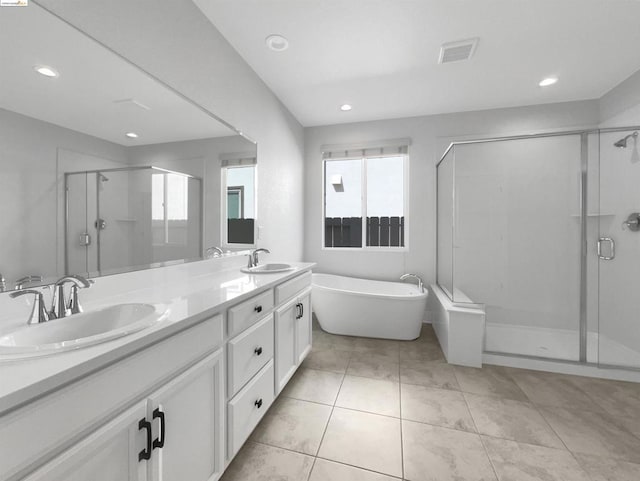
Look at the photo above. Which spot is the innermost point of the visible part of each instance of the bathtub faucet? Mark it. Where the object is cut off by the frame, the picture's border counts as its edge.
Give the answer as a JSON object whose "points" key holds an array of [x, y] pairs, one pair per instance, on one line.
{"points": [[414, 276]]}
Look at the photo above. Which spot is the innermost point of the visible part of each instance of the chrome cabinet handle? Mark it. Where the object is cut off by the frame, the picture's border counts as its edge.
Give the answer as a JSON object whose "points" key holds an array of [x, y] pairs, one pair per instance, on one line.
{"points": [[612, 244]]}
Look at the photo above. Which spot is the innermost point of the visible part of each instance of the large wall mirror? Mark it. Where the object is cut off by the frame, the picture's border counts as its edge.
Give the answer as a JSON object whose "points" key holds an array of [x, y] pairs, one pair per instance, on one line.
{"points": [[102, 168]]}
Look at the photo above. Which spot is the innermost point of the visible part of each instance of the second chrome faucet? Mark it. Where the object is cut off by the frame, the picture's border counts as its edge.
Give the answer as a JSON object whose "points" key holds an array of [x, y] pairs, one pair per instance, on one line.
{"points": [[60, 307], [253, 257]]}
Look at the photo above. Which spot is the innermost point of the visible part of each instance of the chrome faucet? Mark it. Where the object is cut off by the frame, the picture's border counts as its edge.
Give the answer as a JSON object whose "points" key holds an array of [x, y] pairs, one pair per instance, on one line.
{"points": [[212, 251], [253, 257], [59, 307], [414, 276], [39, 311], [27, 280]]}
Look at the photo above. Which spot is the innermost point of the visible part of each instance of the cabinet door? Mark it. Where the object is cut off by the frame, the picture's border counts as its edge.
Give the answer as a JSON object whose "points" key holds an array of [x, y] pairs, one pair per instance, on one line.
{"points": [[285, 350], [303, 326], [187, 416], [108, 454]]}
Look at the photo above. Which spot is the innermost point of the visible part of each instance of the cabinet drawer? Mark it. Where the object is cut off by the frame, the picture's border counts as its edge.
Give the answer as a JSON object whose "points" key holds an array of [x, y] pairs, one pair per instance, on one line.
{"points": [[249, 312], [246, 409], [288, 289], [248, 352]]}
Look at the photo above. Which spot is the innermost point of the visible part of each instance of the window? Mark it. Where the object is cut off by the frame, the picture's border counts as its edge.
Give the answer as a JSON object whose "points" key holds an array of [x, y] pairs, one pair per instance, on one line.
{"points": [[365, 198], [169, 208], [239, 205]]}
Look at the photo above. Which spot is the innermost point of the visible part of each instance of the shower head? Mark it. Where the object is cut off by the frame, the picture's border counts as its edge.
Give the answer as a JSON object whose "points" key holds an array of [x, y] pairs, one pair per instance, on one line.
{"points": [[103, 178], [622, 143]]}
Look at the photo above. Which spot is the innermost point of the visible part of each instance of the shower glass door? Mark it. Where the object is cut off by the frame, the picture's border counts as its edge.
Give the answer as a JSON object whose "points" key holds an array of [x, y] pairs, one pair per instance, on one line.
{"points": [[619, 256], [517, 242]]}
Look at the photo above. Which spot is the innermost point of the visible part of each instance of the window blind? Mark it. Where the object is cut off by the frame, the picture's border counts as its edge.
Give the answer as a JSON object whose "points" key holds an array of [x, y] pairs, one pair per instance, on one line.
{"points": [[368, 149], [238, 159]]}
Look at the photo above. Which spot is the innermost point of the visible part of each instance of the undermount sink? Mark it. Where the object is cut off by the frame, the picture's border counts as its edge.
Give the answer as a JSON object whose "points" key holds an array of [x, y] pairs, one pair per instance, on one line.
{"points": [[267, 269], [79, 330]]}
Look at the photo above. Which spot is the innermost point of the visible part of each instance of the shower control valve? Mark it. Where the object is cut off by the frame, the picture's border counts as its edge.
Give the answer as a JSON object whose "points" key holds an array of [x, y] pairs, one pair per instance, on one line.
{"points": [[632, 222]]}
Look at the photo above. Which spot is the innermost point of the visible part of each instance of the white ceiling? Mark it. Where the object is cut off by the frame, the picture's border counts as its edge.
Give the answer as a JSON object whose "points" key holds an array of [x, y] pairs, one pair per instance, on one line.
{"points": [[381, 55], [91, 79]]}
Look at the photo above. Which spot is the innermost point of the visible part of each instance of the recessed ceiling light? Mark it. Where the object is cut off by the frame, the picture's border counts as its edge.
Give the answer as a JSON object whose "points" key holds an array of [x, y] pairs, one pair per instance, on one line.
{"points": [[545, 82], [345, 107], [277, 43], [131, 135], [46, 71]]}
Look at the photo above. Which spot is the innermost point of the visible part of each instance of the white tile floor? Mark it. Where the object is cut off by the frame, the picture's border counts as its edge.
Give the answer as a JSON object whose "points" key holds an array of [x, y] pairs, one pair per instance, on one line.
{"points": [[377, 410]]}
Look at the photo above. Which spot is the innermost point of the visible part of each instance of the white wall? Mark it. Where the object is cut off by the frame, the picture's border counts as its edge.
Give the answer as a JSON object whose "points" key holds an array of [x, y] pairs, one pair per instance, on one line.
{"points": [[430, 135], [621, 105], [32, 231], [172, 40]]}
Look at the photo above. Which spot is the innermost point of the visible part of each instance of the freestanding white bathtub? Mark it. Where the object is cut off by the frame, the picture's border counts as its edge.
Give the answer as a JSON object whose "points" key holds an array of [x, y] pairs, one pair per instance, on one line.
{"points": [[366, 308]]}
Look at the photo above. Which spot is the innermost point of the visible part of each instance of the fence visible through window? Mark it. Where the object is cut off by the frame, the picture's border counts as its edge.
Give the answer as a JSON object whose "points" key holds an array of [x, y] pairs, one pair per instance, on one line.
{"points": [[380, 232]]}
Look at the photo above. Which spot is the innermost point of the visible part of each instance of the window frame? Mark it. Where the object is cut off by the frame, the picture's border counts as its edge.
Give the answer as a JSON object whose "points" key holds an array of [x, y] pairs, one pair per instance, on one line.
{"points": [[224, 237], [363, 198], [165, 210]]}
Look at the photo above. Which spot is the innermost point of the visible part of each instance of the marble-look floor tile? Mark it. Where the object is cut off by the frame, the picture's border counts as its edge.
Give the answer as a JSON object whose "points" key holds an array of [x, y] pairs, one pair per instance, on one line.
{"points": [[324, 470], [425, 351], [631, 424], [375, 344], [524, 462], [510, 419], [313, 385], [369, 441], [372, 395], [293, 424], [427, 333], [489, 381], [607, 469], [435, 406], [593, 433], [551, 389], [259, 462], [618, 398], [386, 355], [324, 340], [433, 453], [333, 360], [365, 365], [428, 373]]}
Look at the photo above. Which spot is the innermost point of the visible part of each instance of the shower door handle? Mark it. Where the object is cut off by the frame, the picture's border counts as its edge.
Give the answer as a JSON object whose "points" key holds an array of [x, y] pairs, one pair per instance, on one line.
{"points": [[612, 244]]}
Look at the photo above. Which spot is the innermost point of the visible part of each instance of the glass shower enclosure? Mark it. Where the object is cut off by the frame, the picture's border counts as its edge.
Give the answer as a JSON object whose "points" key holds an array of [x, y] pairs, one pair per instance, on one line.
{"points": [[533, 228], [120, 219]]}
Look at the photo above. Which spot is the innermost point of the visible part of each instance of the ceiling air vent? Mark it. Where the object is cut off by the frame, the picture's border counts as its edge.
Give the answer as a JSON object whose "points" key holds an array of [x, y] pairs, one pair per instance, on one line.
{"points": [[456, 51]]}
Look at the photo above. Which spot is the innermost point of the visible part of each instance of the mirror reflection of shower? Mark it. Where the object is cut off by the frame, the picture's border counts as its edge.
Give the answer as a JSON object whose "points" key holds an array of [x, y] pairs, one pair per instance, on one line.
{"points": [[622, 143], [120, 218], [102, 179]]}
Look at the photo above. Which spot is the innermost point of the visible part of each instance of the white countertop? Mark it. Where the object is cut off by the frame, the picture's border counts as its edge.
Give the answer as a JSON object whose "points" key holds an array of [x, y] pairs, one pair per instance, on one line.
{"points": [[192, 292]]}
